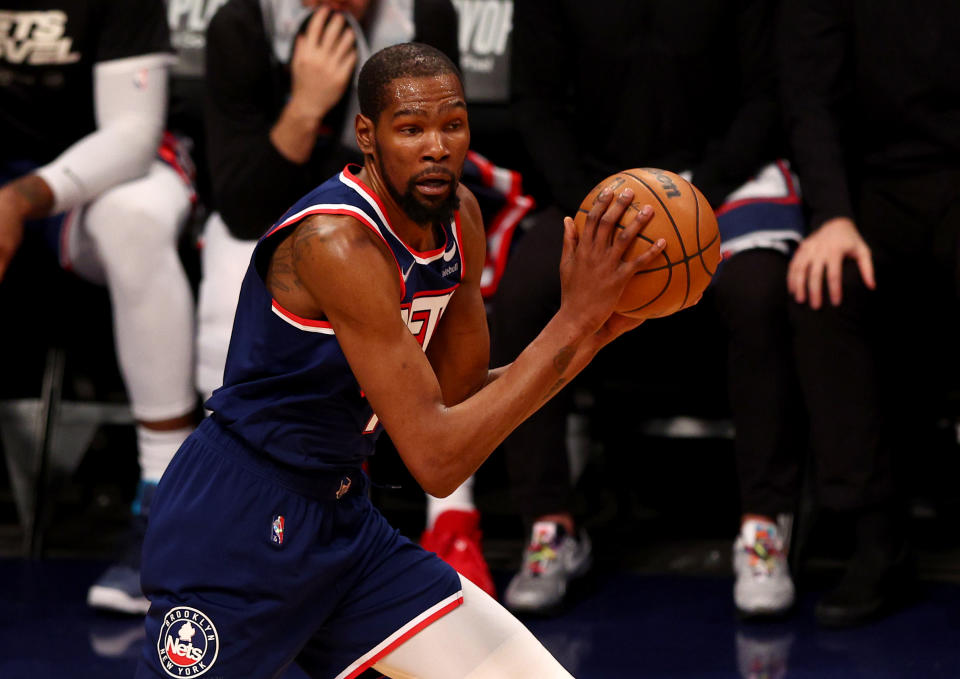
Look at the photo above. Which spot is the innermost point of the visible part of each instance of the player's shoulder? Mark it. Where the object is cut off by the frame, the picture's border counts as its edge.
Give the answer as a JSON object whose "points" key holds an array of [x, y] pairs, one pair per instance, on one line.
{"points": [[335, 239]]}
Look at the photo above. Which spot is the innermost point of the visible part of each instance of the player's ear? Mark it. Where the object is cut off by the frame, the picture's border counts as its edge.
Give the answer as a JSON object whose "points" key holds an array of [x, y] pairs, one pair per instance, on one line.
{"points": [[364, 129]]}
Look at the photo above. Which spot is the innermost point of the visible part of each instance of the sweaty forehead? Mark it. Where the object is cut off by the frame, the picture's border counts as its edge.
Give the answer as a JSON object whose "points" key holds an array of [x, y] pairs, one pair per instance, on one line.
{"points": [[424, 90]]}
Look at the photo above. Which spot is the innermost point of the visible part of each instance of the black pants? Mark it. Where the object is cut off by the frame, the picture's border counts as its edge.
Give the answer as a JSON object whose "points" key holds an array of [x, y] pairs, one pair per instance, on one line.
{"points": [[851, 382], [527, 297], [871, 371], [646, 371]]}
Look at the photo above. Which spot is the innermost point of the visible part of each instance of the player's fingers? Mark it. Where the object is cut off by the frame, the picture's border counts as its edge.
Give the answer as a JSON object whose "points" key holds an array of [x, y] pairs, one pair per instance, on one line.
{"points": [[648, 255], [627, 232], [570, 241], [596, 210], [315, 25], [611, 216], [865, 263]]}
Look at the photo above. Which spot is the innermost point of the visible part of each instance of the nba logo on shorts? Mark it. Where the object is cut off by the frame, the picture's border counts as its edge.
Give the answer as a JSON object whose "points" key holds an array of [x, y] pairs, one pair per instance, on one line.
{"points": [[276, 530], [188, 643]]}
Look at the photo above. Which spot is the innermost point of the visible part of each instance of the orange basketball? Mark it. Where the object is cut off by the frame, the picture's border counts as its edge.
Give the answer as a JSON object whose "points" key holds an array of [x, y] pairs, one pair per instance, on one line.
{"points": [[682, 216]]}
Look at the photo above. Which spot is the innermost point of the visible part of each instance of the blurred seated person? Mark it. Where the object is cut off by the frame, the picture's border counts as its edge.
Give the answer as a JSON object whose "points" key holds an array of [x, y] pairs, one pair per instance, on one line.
{"points": [[871, 93], [110, 199], [689, 88], [280, 109]]}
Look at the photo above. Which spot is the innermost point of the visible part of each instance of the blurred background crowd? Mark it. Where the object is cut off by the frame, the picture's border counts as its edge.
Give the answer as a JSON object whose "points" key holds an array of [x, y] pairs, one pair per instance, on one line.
{"points": [[806, 408]]}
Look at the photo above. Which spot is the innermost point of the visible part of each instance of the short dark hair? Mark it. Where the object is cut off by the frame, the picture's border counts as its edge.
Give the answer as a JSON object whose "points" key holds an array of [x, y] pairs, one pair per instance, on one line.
{"points": [[407, 60]]}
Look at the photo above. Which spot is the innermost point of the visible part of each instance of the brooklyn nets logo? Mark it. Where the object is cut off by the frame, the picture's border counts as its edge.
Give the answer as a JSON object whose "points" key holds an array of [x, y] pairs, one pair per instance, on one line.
{"points": [[188, 643]]}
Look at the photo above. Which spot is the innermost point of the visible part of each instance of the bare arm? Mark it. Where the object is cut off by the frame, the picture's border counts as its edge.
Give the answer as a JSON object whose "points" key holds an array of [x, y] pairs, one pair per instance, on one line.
{"points": [[358, 295], [459, 351]]}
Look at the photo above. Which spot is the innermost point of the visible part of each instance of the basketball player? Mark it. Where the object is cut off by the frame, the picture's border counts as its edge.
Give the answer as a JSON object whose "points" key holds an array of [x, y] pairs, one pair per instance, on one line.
{"points": [[263, 547], [281, 121]]}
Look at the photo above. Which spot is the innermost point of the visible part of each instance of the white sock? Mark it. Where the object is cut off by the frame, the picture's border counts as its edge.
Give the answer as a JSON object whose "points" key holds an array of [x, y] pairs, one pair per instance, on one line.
{"points": [[461, 499], [157, 448]]}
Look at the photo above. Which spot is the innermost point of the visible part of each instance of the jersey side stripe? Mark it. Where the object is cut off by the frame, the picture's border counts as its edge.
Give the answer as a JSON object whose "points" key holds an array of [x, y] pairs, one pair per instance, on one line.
{"points": [[307, 324]]}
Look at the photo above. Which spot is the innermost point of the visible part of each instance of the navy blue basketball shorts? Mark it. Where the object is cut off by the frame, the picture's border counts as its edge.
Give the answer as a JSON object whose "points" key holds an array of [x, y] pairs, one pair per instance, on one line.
{"points": [[250, 567]]}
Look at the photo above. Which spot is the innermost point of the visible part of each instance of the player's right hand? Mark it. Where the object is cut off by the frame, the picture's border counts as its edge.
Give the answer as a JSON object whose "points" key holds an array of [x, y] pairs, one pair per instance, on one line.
{"points": [[593, 271], [820, 256], [322, 65]]}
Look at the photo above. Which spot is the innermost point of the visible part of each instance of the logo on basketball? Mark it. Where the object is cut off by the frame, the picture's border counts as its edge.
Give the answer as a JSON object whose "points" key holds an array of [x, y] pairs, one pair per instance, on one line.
{"points": [[188, 643]]}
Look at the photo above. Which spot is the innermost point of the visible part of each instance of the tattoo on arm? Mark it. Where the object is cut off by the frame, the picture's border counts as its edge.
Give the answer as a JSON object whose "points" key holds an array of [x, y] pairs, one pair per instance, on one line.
{"points": [[562, 360], [557, 386], [303, 239], [560, 363], [281, 273]]}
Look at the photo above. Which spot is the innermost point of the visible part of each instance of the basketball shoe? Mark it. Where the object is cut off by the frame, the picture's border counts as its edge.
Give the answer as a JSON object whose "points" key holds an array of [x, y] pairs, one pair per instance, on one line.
{"points": [[118, 589], [763, 585], [551, 561], [455, 538]]}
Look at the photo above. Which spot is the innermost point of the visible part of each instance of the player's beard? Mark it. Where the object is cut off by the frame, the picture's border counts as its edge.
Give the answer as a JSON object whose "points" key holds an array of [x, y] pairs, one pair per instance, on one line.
{"points": [[424, 214]]}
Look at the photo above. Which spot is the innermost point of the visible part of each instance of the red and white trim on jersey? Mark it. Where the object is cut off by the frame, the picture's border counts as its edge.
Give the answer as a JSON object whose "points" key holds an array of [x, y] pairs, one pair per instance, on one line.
{"points": [[341, 209], [308, 324], [390, 644], [375, 203]]}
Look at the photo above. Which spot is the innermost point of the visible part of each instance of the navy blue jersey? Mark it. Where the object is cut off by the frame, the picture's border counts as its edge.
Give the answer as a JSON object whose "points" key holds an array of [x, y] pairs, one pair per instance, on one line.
{"points": [[287, 388]]}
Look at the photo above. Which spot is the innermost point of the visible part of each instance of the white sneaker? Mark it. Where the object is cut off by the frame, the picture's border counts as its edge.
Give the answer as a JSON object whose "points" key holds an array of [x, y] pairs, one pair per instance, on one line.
{"points": [[763, 585], [550, 562]]}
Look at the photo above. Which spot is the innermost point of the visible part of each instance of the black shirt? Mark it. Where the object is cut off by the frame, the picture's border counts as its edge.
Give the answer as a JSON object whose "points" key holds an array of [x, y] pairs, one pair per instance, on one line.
{"points": [[870, 87], [608, 85], [47, 54]]}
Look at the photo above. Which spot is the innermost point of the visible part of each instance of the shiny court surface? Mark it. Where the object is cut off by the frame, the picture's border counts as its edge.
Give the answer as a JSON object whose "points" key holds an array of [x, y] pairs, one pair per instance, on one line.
{"points": [[626, 625]]}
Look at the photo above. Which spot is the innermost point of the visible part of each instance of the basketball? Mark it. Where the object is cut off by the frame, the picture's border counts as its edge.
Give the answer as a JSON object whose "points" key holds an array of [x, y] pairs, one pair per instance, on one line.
{"points": [[677, 278]]}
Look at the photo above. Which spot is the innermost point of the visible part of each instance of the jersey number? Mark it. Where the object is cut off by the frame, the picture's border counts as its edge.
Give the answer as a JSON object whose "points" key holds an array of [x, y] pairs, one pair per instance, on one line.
{"points": [[421, 318]]}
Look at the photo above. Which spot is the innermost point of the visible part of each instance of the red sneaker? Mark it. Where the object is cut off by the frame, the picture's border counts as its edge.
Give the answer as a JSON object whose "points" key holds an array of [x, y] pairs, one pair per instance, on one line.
{"points": [[455, 538]]}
